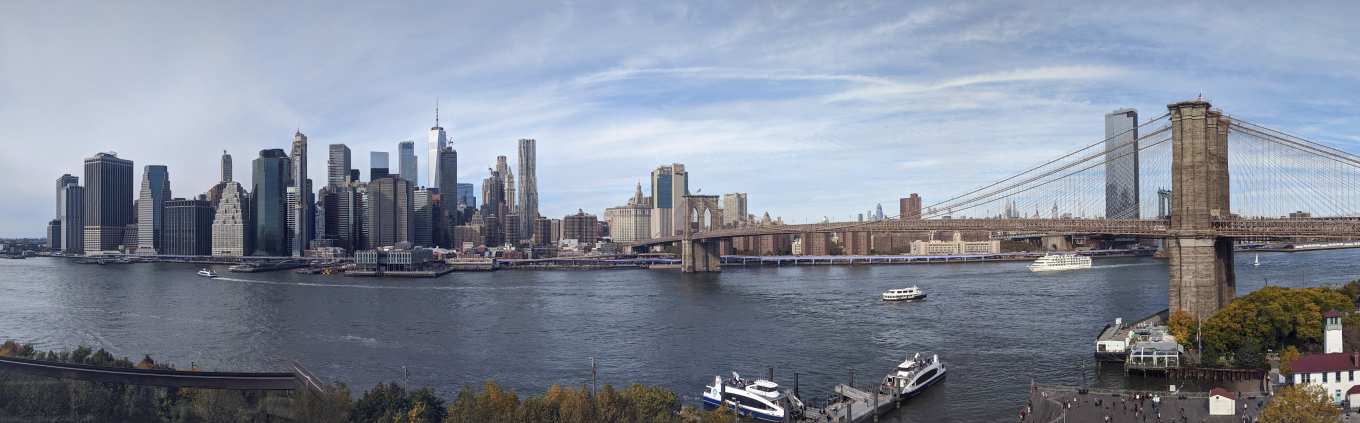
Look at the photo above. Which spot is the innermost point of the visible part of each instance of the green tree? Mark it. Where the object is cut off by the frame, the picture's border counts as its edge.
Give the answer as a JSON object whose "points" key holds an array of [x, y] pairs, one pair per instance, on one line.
{"points": [[1300, 404]]}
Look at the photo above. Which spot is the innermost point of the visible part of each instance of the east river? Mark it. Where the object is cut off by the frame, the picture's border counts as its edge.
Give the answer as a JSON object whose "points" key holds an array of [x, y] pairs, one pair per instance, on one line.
{"points": [[997, 326]]}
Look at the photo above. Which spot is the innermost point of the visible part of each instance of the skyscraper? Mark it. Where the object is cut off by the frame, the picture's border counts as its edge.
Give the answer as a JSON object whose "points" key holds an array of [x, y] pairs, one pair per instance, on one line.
{"points": [[1121, 165], [269, 188], [72, 224], [377, 165], [493, 208], [390, 204], [909, 207], [734, 208], [448, 185], [437, 141], [467, 195], [107, 205], [507, 184], [582, 227], [226, 166], [302, 229], [188, 227], [528, 184], [632, 221], [62, 182], [338, 165], [151, 209], [669, 186], [422, 217], [231, 231], [406, 161]]}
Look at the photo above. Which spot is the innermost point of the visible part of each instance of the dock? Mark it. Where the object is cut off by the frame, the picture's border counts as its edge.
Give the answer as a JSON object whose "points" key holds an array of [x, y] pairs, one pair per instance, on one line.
{"points": [[856, 406]]}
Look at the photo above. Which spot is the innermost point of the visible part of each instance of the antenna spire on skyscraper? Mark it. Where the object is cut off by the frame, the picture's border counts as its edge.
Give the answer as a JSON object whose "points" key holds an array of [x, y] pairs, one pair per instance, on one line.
{"points": [[436, 112]]}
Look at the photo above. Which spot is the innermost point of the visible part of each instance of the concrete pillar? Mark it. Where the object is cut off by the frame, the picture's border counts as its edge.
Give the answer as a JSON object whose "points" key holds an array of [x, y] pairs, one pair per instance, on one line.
{"points": [[700, 256], [1057, 243], [1202, 279]]}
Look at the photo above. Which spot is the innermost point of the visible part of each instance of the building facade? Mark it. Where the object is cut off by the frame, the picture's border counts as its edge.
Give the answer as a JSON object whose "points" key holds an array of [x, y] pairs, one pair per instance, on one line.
{"points": [[338, 164], [909, 207], [669, 186], [301, 208], [436, 142], [448, 186], [188, 227], [406, 161], [1333, 369], [72, 222], [582, 227], [528, 184], [378, 165], [154, 193], [1121, 164], [231, 230], [955, 246], [632, 221], [269, 191], [422, 225], [734, 208], [390, 209], [107, 203]]}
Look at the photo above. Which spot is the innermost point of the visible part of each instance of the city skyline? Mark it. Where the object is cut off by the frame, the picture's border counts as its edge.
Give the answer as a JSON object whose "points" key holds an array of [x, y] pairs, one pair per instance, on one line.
{"points": [[874, 112]]}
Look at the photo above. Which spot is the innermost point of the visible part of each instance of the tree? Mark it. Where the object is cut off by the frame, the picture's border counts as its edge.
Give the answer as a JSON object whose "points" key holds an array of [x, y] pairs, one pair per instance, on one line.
{"points": [[1272, 318], [1300, 404], [1287, 358]]}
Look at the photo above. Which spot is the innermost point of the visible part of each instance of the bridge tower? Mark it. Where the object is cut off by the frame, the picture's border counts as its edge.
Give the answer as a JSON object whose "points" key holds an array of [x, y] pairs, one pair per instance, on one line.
{"points": [[699, 212], [1202, 277]]}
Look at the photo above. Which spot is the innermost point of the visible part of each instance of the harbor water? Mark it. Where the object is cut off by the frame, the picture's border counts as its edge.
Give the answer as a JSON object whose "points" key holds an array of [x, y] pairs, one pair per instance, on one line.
{"points": [[997, 326]]}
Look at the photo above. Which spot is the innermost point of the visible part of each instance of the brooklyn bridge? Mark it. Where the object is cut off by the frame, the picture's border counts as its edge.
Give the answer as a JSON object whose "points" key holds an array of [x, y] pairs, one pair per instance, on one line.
{"points": [[1220, 179]]}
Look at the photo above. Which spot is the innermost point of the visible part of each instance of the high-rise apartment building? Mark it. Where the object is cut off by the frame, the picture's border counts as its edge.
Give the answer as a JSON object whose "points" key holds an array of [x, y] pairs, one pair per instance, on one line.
{"points": [[436, 142], [406, 161], [107, 204], [231, 229], [582, 227], [188, 227], [1121, 164], [909, 207], [390, 209], [734, 208], [302, 228], [338, 164], [493, 208], [378, 165], [151, 209], [269, 191], [528, 184]]}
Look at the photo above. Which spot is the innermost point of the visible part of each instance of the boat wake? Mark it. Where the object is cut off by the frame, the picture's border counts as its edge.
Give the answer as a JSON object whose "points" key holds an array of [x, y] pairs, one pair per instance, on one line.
{"points": [[339, 285], [1112, 266]]}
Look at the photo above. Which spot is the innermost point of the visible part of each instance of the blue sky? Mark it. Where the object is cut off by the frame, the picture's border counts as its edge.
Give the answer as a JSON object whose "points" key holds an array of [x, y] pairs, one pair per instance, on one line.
{"points": [[813, 108]]}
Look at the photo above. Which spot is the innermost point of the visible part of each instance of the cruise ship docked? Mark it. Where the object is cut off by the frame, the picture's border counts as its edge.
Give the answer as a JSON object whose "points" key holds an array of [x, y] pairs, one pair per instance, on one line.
{"points": [[1051, 262], [915, 374], [759, 400]]}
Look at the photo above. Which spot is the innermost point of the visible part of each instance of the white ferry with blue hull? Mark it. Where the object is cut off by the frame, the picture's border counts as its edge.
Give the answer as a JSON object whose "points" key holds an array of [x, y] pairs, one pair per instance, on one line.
{"points": [[759, 400], [915, 375]]}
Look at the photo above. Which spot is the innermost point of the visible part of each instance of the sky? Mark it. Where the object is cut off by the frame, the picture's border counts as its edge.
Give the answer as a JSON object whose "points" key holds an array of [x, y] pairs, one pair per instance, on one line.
{"points": [[815, 109]]}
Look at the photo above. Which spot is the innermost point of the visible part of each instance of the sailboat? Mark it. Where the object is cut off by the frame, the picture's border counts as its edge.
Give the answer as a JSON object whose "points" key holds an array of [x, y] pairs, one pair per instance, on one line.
{"points": [[1257, 261]]}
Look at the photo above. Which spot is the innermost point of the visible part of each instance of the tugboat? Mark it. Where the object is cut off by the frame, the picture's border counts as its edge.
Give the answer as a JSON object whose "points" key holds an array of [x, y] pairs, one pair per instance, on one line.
{"points": [[206, 273], [915, 374], [759, 400]]}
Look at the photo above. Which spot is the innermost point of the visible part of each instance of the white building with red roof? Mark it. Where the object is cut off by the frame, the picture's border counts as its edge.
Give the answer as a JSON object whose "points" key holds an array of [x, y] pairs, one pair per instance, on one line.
{"points": [[1333, 369], [1222, 402]]}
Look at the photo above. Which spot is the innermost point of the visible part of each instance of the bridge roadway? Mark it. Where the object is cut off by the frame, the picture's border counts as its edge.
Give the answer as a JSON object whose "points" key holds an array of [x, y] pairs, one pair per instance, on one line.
{"points": [[1151, 228], [169, 378]]}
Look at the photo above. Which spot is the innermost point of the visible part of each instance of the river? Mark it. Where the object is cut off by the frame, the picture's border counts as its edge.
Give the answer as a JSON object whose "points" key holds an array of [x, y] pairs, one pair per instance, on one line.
{"points": [[996, 325]]}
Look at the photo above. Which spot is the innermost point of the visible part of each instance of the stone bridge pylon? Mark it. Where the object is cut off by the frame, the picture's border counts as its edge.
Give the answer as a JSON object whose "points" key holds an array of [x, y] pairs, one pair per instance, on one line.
{"points": [[700, 213], [1201, 261]]}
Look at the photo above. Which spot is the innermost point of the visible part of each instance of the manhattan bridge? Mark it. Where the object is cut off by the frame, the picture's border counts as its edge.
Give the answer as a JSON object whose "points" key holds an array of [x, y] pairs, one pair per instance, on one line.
{"points": [[1228, 179]]}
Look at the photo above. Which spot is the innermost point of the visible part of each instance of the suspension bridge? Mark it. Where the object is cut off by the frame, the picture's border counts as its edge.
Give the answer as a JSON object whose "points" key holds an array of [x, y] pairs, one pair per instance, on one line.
{"points": [[1216, 178]]}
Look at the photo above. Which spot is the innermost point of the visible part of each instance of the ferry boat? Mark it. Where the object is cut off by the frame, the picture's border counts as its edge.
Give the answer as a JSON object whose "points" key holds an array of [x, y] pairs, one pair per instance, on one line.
{"points": [[206, 273], [1051, 262], [915, 374], [759, 400], [904, 294]]}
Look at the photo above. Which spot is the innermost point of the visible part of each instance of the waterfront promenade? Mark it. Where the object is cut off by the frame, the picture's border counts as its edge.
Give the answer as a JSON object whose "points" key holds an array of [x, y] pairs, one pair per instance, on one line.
{"points": [[1055, 404]]}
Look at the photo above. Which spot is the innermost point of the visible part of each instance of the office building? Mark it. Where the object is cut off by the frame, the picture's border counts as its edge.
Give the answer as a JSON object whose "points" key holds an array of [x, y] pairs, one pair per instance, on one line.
{"points": [[734, 208], [390, 208], [1121, 164], [231, 229], [188, 228], [225, 168], [378, 165], [406, 161], [448, 185], [107, 205], [466, 195], [669, 186], [344, 216], [493, 208], [72, 223], [528, 184], [955, 246], [436, 142], [62, 182], [338, 165], [909, 207], [422, 225], [632, 221], [215, 193], [269, 195], [302, 228], [151, 208], [582, 227]]}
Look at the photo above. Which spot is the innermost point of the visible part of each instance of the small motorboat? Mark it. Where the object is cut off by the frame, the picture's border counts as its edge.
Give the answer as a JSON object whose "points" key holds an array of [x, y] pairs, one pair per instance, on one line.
{"points": [[206, 273], [904, 294]]}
